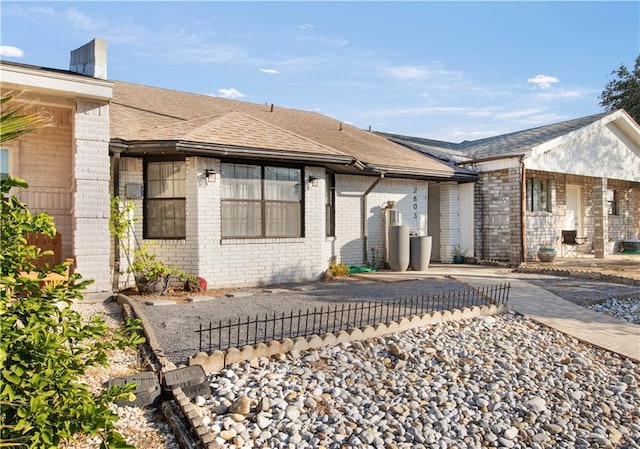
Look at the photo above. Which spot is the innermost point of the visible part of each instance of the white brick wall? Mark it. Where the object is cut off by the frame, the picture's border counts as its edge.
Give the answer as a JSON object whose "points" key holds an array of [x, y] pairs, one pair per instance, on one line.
{"points": [[243, 262], [449, 220], [67, 168], [90, 194], [411, 201]]}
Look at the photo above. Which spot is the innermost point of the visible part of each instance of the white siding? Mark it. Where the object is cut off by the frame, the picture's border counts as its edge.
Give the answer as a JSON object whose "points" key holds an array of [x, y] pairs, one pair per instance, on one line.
{"points": [[600, 151]]}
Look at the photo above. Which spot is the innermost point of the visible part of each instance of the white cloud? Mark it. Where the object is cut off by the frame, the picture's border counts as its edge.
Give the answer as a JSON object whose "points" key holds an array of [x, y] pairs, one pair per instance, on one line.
{"points": [[82, 21], [407, 71], [11, 52], [440, 78], [41, 10], [518, 113], [306, 26], [230, 93], [543, 81], [270, 71]]}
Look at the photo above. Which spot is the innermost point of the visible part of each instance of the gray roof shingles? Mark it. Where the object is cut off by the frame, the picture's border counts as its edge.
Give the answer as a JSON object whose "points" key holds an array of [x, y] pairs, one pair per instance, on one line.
{"points": [[515, 143]]}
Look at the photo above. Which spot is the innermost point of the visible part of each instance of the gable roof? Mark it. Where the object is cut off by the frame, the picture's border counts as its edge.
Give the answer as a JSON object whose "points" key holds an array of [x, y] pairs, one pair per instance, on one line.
{"points": [[511, 144], [519, 142], [201, 124]]}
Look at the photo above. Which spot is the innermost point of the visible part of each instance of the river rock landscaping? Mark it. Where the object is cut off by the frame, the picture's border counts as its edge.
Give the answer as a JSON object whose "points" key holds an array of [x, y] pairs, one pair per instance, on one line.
{"points": [[500, 381], [625, 308]]}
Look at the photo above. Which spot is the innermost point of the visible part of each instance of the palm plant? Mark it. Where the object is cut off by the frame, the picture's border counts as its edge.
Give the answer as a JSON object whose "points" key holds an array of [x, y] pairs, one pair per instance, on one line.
{"points": [[20, 117]]}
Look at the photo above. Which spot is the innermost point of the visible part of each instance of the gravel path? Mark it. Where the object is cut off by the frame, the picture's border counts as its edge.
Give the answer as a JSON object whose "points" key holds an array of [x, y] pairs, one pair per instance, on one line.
{"points": [[175, 324], [500, 381], [507, 382]]}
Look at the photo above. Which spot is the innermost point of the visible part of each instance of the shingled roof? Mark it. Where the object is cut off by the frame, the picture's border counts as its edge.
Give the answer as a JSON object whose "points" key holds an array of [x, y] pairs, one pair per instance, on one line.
{"points": [[515, 143], [202, 124]]}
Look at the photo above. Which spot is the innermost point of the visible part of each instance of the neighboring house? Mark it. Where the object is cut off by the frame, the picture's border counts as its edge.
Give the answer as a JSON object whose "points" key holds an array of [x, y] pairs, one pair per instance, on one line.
{"points": [[581, 175], [67, 165]]}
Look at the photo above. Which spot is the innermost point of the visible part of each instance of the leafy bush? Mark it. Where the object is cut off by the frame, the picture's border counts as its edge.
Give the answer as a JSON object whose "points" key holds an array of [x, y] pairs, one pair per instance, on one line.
{"points": [[339, 269], [45, 347], [145, 266]]}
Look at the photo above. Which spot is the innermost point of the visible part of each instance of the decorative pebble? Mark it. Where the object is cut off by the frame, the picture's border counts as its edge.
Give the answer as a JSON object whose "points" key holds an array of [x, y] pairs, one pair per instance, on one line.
{"points": [[461, 384], [625, 308]]}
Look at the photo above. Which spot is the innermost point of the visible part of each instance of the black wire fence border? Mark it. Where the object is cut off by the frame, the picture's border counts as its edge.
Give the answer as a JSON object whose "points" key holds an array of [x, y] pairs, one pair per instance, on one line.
{"points": [[322, 320]]}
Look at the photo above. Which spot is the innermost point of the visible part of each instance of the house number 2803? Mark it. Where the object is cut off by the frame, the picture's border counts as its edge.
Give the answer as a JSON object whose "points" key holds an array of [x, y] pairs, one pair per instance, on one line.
{"points": [[415, 204]]}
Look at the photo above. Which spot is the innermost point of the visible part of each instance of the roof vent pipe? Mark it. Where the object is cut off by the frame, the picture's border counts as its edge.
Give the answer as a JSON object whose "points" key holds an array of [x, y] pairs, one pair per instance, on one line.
{"points": [[271, 108]]}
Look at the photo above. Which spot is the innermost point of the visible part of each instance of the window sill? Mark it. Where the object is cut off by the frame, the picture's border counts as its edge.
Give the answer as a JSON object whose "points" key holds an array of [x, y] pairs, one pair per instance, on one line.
{"points": [[261, 240]]}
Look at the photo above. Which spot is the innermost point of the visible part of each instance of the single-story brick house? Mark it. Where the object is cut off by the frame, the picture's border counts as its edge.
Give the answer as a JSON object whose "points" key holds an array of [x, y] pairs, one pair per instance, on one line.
{"points": [[248, 194], [243, 193], [581, 175], [234, 192]]}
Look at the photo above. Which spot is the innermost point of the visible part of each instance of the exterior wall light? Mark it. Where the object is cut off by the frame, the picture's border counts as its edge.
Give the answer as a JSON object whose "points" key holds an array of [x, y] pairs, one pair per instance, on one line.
{"points": [[211, 175], [313, 180]]}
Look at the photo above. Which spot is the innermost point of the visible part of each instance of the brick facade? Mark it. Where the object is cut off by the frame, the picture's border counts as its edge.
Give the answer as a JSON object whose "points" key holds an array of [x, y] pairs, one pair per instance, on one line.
{"points": [[244, 262], [67, 168], [90, 193], [498, 201]]}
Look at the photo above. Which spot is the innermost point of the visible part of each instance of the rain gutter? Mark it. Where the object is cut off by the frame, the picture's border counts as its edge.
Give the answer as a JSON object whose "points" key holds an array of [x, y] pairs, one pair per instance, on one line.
{"points": [[365, 231]]}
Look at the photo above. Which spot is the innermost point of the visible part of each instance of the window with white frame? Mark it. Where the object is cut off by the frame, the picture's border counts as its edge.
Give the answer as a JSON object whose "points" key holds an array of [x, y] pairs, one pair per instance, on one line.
{"points": [[612, 201], [538, 196], [261, 201], [165, 205]]}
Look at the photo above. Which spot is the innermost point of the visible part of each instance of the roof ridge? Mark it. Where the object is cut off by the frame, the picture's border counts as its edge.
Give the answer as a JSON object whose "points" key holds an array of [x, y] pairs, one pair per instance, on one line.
{"points": [[471, 143]]}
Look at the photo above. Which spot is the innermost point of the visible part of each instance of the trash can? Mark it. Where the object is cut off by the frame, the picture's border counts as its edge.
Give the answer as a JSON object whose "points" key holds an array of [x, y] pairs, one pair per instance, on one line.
{"points": [[420, 248], [398, 247]]}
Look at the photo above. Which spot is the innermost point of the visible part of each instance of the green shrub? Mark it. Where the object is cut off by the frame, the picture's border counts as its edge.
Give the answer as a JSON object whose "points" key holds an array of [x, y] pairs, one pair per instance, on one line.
{"points": [[339, 269], [45, 347]]}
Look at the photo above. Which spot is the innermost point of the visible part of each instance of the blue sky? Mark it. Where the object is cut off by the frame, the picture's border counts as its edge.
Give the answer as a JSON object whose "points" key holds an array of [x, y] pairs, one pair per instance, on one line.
{"points": [[442, 70]]}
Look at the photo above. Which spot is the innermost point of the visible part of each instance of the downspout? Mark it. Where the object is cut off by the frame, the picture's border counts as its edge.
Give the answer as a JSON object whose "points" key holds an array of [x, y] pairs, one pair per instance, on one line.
{"points": [[364, 217], [116, 242], [523, 211]]}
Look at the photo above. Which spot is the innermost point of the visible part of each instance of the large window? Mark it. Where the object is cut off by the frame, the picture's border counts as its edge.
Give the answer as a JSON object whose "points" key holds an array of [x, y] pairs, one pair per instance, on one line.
{"points": [[330, 204], [165, 215], [261, 201], [612, 201], [538, 195]]}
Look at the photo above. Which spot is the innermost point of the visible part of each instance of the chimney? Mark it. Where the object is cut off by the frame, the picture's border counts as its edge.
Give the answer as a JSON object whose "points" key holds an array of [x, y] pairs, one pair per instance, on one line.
{"points": [[90, 59]]}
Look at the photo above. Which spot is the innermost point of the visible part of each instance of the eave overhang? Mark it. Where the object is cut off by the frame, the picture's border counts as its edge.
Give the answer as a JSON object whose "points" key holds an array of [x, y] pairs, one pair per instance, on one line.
{"points": [[49, 81], [337, 162]]}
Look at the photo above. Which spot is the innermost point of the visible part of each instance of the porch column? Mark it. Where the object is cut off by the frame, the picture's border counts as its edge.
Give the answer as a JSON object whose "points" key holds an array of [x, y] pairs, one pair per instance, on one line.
{"points": [[449, 220], [600, 218], [516, 256], [90, 192]]}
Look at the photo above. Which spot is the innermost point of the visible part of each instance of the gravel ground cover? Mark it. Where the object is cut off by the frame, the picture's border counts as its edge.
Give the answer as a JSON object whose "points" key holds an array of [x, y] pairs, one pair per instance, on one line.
{"points": [[501, 381], [175, 324], [144, 428], [625, 308], [568, 387]]}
